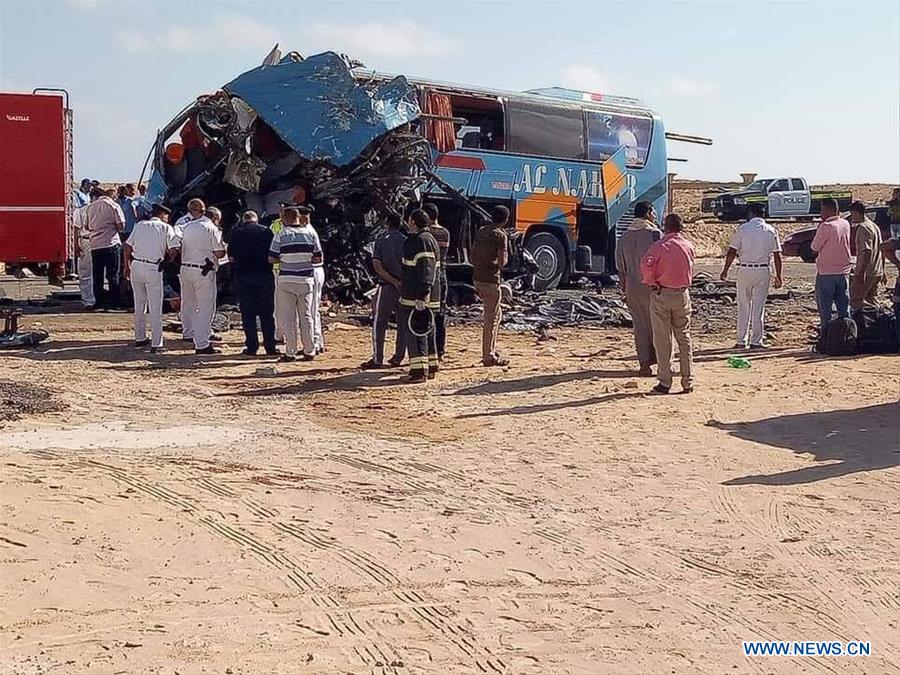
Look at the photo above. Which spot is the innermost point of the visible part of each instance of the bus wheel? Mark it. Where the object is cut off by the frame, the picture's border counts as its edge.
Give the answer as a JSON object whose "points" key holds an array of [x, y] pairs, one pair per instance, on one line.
{"points": [[550, 257]]}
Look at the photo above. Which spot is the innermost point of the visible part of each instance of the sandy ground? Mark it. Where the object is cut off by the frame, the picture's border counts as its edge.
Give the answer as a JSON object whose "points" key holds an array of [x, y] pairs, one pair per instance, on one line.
{"points": [[189, 515]]}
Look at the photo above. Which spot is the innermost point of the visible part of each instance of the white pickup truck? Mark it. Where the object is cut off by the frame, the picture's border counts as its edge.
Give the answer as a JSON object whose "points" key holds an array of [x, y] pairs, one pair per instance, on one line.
{"points": [[783, 197]]}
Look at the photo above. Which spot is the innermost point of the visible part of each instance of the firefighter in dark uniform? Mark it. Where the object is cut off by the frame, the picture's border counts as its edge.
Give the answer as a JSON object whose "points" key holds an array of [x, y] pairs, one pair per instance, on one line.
{"points": [[442, 236], [420, 290]]}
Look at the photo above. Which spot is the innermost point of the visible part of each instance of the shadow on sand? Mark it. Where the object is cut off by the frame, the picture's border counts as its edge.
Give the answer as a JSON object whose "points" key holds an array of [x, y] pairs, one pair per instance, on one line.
{"points": [[851, 441]]}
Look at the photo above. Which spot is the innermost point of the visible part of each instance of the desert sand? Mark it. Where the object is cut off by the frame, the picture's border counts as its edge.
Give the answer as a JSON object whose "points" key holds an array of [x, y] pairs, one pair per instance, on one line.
{"points": [[187, 514]]}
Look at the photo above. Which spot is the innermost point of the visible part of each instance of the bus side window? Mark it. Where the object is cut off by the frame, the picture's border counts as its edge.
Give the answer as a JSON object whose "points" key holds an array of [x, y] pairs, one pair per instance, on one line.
{"points": [[483, 127]]}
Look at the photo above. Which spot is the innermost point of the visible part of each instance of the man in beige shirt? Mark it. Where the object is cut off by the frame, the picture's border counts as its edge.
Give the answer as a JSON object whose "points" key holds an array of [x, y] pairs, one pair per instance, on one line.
{"points": [[105, 220], [868, 274], [630, 250]]}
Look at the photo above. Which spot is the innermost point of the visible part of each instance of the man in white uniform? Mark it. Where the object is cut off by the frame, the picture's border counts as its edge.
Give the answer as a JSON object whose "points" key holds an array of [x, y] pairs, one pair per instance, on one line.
{"points": [[754, 243], [83, 250], [201, 249], [297, 249], [147, 247], [318, 287]]}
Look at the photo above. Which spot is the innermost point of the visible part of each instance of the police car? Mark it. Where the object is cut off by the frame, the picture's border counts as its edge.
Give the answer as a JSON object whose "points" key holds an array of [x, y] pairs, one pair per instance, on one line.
{"points": [[783, 197]]}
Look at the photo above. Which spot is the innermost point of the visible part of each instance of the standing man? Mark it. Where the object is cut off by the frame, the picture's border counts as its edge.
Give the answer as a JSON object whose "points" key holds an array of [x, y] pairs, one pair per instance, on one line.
{"points": [[201, 248], [146, 249], [489, 257], [142, 205], [127, 203], [248, 252], [81, 196], [442, 237], [83, 251], [833, 264], [668, 269], [630, 251], [754, 242], [420, 290], [105, 221], [868, 275], [894, 211], [296, 249], [387, 260], [318, 288]]}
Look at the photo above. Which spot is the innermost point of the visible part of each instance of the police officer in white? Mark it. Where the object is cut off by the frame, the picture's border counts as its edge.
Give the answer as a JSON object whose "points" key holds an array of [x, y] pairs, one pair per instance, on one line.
{"points": [[754, 243], [147, 247], [201, 249]]}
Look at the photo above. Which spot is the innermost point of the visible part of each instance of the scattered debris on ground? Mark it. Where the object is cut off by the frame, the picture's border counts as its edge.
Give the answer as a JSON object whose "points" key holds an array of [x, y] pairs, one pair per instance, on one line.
{"points": [[20, 398], [532, 311]]}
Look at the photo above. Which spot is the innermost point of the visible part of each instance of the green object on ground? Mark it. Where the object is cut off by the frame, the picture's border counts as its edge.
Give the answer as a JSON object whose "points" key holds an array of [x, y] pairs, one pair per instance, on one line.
{"points": [[738, 362]]}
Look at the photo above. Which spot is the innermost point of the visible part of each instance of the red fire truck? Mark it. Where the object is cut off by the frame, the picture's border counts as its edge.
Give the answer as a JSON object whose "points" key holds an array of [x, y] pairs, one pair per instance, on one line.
{"points": [[35, 180]]}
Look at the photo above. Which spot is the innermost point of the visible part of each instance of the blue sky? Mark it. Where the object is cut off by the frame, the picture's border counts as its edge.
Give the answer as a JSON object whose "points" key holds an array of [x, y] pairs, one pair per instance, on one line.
{"points": [[783, 88]]}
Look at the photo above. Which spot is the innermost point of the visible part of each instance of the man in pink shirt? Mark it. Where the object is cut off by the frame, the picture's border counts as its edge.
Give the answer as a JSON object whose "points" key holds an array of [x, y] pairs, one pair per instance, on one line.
{"points": [[667, 269], [833, 264]]}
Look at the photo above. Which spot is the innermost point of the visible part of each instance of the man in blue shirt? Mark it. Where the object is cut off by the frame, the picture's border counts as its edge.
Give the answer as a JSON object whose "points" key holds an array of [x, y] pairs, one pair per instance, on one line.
{"points": [[81, 197], [127, 202], [248, 252]]}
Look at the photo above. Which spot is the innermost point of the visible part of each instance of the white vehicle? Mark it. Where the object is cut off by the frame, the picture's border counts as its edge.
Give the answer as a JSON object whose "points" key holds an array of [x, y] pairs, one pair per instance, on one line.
{"points": [[784, 198]]}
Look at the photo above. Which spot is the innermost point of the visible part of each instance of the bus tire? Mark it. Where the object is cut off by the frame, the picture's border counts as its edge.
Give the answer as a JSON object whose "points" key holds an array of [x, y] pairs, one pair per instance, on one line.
{"points": [[550, 256]]}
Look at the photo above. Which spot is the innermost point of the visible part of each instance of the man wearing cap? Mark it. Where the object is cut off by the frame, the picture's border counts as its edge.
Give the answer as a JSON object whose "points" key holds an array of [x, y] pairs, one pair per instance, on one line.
{"points": [[145, 250], [296, 249], [442, 236], [248, 252], [754, 242], [201, 247], [420, 291]]}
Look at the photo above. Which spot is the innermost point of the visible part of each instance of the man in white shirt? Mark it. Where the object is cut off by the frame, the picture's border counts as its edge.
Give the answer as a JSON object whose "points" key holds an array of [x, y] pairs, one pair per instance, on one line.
{"points": [[147, 247], [201, 248], [83, 251], [754, 243]]}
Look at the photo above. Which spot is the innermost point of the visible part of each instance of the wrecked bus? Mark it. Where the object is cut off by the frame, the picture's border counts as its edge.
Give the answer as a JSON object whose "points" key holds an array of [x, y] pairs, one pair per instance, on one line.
{"points": [[357, 145]]}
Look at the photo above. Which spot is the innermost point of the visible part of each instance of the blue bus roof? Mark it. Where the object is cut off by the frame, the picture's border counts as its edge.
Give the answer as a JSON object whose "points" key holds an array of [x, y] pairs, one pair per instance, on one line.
{"points": [[565, 96]]}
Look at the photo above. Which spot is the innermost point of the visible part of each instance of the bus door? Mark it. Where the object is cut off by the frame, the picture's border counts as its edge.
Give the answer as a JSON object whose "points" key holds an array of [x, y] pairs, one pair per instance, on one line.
{"points": [[597, 224], [615, 187]]}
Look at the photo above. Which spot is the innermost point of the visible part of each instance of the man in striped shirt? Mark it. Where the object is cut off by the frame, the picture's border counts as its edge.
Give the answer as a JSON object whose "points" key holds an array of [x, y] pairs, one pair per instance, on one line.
{"points": [[297, 250]]}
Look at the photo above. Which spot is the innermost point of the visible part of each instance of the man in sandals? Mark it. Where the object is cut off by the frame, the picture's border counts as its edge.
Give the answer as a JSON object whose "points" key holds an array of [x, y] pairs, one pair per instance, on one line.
{"points": [[489, 257]]}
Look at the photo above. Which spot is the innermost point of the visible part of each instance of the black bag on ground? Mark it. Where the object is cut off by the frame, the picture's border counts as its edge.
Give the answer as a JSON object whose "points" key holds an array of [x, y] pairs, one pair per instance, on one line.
{"points": [[839, 339], [876, 332]]}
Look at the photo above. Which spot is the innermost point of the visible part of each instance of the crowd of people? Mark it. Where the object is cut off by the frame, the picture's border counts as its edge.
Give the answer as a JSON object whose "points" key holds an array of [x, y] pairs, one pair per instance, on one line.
{"points": [[656, 270], [278, 274]]}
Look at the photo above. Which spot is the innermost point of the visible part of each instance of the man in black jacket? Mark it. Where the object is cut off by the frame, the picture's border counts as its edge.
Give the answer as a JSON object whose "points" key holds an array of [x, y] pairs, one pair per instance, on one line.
{"points": [[442, 236], [420, 290], [254, 281]]}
